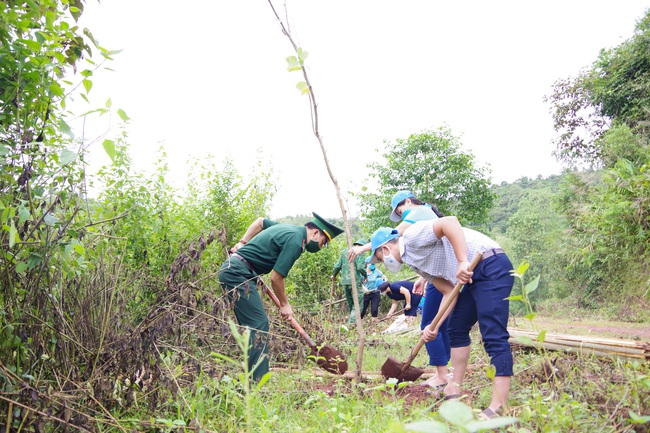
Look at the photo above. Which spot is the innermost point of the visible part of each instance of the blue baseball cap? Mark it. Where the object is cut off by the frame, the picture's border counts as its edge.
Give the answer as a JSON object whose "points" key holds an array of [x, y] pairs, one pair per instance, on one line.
{"points": [[379, 238], [399, 197]]}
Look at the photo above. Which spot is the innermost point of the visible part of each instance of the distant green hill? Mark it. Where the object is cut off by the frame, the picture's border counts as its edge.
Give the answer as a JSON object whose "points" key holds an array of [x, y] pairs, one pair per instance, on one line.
{"points": [[509, 196]]}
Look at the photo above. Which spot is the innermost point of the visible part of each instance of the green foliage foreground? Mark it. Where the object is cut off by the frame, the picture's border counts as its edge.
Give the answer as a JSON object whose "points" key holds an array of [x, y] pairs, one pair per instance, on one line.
{"points": [[563, 393]]}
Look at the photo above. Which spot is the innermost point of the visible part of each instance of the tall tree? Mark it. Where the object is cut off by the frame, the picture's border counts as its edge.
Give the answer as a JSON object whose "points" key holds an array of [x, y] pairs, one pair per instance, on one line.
{"points": [[437, 170], [615, 90], [602, 116]]}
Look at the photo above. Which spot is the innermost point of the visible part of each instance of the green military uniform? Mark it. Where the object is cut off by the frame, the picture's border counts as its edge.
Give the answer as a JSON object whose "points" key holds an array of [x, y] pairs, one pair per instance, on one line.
{"points": [[276, 247], [342, 266]]}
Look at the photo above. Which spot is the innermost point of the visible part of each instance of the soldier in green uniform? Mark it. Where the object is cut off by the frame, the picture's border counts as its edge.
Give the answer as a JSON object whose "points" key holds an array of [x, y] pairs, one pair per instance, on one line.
{"points": [[343, 266], [267, 246]]}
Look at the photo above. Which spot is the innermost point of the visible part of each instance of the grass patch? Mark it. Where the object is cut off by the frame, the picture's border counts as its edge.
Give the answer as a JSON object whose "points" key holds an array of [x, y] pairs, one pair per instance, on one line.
{"points": [[551, 391]]}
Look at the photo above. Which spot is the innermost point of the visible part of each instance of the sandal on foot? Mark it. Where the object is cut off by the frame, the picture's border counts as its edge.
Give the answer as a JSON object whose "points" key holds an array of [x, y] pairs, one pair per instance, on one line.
{"points": [[431, 383], [435, 389], [440, 395], [489, 413]]}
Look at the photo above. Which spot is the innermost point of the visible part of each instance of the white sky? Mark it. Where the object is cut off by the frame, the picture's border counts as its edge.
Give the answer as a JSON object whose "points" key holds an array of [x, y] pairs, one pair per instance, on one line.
{"points": [[209, 76]]}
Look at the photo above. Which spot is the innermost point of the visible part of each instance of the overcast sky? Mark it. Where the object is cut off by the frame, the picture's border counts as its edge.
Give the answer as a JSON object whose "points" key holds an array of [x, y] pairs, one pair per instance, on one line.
{"points": [[210, 76]]}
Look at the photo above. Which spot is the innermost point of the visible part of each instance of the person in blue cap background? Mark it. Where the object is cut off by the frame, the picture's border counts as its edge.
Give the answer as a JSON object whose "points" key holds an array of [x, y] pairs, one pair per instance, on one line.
{"points": [[408, 209], [375, 276], [440, 251], [343, 267], [267, 247], [371, 294]]}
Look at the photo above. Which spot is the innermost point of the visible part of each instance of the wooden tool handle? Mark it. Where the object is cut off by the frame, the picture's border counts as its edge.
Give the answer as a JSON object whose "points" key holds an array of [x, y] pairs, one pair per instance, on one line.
{"points": [[441, 311], [454, 293], [294, 322], [396, 313]]}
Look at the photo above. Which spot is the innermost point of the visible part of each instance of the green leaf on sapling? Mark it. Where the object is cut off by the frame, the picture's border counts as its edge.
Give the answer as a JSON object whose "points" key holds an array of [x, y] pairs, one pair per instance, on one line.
{"points": [[68, 156], [293, 64], [532, 286], [123, 115], [303, 87], [521, 269], [490, 371], [109, 148], [87, 85], [302, 54], [65, 128]]}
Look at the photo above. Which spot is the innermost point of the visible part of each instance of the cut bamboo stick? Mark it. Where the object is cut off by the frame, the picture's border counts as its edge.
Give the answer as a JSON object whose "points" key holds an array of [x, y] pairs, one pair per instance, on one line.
{"points": [[604, 347], [570, 337]]}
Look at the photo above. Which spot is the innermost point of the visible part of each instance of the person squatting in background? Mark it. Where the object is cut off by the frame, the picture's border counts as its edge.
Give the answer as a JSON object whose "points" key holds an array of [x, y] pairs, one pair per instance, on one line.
{"points": [[402, 291], [405, 207], [267, 246], [342, 266], [440, 251]]}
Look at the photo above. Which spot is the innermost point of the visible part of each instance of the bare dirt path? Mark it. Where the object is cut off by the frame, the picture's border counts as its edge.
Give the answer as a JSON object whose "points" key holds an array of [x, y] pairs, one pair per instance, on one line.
{"points": [[589, 327]]}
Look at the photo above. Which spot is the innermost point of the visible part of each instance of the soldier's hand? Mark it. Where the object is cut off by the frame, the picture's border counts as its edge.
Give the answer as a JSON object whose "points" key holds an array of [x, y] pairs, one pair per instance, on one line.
{"points": [[237, 246], [286, 311]]}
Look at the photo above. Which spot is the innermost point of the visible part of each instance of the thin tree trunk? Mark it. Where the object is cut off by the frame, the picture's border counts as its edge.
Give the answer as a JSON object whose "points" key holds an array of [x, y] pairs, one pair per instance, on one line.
{"points": [[348, 233]]}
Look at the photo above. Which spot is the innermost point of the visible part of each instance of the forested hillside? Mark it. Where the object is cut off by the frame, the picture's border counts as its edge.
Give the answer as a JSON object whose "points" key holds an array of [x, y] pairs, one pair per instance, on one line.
{"points": [[509, 196]]}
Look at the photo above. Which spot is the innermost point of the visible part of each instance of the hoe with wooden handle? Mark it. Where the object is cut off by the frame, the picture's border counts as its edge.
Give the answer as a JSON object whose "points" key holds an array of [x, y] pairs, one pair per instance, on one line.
{"points": [[403, 372], [326, 357]]}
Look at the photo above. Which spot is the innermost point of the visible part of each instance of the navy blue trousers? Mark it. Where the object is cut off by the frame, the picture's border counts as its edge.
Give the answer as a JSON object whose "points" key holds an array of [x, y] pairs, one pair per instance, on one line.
{"points": [[371, 299], [484, 301], [439, 350]]}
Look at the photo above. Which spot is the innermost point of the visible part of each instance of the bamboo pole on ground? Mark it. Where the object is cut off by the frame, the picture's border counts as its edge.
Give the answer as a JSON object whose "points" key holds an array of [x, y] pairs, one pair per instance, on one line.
{"points": [[604, 347]]}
